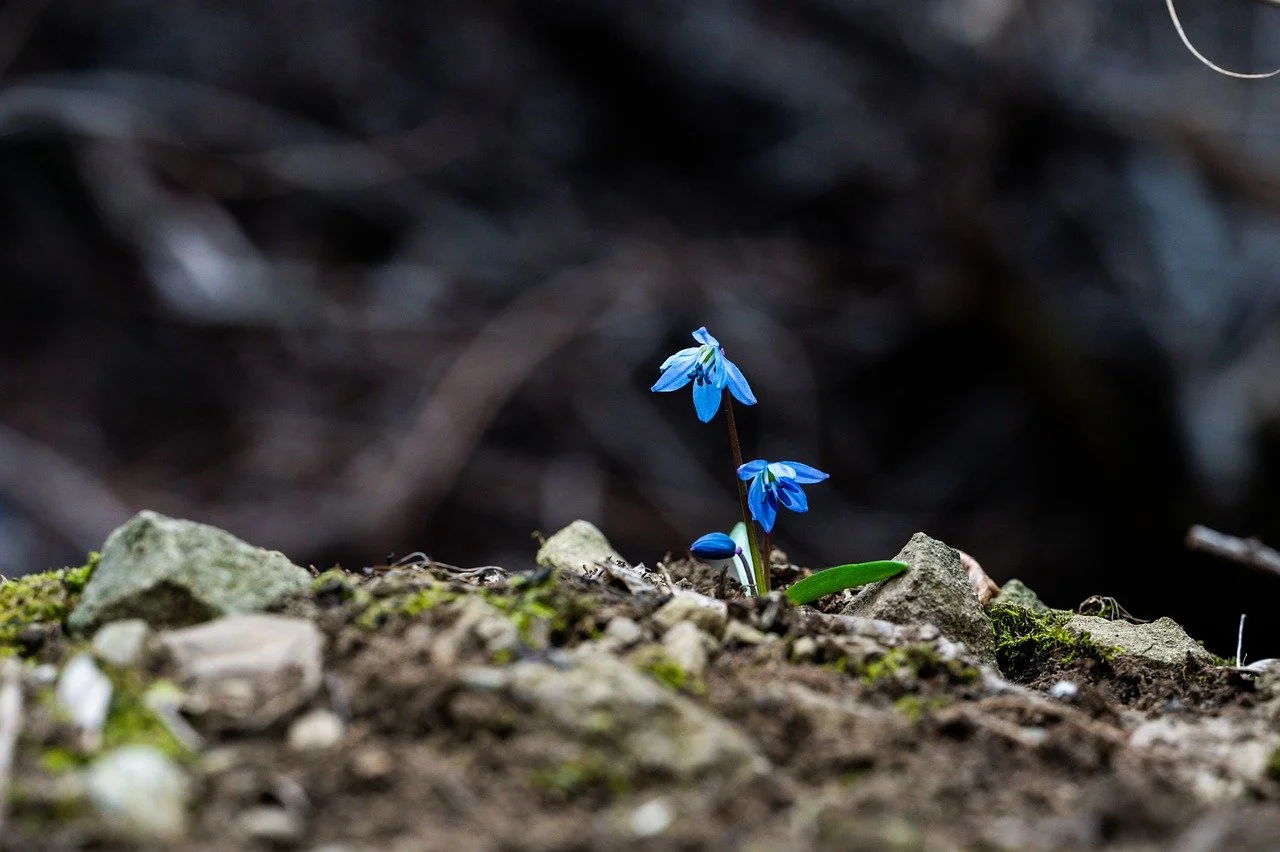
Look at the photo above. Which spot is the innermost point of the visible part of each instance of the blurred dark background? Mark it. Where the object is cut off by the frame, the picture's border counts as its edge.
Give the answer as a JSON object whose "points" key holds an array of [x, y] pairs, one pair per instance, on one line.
{"points": [[353, 278]]}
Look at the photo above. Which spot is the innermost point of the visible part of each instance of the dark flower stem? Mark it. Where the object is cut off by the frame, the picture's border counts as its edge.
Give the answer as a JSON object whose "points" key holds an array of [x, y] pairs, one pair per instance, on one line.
{"points": [[753, 540], [767, 548]]}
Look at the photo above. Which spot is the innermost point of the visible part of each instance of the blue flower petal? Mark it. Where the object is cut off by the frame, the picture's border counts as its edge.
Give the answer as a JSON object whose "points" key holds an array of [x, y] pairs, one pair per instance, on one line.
{"points": [[673, 378], [752, 468], [763, 505], [782, 470], [688, 356], [805, 474], [792, 496], [714, 546], [704, 337], [706, 400], [738, 384]]}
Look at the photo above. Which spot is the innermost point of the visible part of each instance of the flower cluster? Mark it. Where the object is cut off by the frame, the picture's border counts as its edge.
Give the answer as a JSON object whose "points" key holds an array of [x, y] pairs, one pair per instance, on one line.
{"points": [[773, 484]]}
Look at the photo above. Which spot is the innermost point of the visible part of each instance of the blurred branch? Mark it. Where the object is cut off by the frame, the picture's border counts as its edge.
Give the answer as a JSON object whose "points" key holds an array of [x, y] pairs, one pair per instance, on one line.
{"points": [[1247, 551], [57, 491]]}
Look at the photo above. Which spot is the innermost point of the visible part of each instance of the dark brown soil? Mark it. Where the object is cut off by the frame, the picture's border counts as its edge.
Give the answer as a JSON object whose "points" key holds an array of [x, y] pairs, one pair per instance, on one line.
{"points": [[922, 755]]}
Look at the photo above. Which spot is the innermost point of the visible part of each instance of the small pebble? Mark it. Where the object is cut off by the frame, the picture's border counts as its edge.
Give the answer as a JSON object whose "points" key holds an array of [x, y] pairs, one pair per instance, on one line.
{"points": [[371, 764], [141, 792], [120, 643], [652, 818], [316, 731], [1064, 690], [622, 633], [270, 824]]}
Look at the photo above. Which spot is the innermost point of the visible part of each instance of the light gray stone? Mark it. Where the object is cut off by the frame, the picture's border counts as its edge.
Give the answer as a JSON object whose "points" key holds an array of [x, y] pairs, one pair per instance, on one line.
{"points": [[706, 613], [686, 645], [246, 671], [172, 572], [577, 549], [316, 731], [1161, 641], [140, 793], [120, 643], [935, 591], [1017, 593], [83, 696], [270, 824]]}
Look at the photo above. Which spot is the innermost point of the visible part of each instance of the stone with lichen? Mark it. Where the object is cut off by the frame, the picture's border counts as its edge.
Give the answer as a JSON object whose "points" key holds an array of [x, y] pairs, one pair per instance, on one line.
{"points": [[1162, 641], [1017, 593], [577, 549], [936, 590], [172, 573]]}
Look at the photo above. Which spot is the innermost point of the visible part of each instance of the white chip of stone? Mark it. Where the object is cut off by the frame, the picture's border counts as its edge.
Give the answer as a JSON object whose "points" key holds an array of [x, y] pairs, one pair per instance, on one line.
{"points": [[271, 824], [1064, 690], [652, 818], [83, 695], [316, 731], [120, 643], [141, 793]]}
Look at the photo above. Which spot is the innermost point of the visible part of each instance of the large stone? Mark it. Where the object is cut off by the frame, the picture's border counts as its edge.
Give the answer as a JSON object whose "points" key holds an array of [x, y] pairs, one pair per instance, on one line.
{"points": [[247, 671], [935, 591], [579, 548], [1162, 641], [172, 573]]}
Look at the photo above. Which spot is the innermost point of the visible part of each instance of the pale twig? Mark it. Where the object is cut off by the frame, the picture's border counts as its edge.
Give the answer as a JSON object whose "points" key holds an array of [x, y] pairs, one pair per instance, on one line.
{"points": [[10, 727], [1177, 25], [1247, 551], [1240, 643]]}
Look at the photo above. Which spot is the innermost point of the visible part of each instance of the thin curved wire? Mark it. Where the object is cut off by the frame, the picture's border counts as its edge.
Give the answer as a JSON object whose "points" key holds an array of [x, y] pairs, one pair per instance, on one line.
{"points": [[1198, 55]]}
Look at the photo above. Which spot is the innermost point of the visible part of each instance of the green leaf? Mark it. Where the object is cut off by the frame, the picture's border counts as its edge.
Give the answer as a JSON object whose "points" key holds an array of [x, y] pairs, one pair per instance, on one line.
{"points": [[842, 577]]}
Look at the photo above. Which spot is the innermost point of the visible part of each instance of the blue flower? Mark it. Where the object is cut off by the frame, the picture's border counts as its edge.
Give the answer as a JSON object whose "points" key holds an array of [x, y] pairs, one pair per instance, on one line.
{"points": [[710, 373], [715, 546], [774, 483]]}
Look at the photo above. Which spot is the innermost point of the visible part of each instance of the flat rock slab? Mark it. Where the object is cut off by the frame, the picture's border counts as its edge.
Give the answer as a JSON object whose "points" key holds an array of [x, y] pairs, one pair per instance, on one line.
{"points": [[172, 573], [247, 671], [935, 591], [1162, 641], [579, 548]]}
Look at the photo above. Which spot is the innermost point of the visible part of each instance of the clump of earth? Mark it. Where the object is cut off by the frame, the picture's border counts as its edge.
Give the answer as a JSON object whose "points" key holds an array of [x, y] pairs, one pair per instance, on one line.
{"points": [[185, 689]]}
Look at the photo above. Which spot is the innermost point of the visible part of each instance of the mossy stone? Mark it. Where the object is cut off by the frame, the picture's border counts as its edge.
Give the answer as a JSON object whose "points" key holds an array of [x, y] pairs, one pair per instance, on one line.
{"points": [[577, 549], [173, 573], [1017, 593], [1162, 641]]}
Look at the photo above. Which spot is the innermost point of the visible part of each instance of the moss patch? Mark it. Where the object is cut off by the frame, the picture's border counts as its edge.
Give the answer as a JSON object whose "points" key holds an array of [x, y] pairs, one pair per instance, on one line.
{"points": [[658, 664], [921, 661], [1027, 641], [593, 774], [915, 706], [45, 598]]}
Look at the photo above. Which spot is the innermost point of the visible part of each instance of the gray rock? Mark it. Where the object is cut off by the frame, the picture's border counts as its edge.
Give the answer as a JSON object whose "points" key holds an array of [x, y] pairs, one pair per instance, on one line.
{"points": [[1162, 641], [653, 727], [577, 549], [247, 671], [316, 731], [1017, 593], [935, 591], [687, 646], [172, 573], [140, 793], [120, 643], [706, 613], [621, 634]]}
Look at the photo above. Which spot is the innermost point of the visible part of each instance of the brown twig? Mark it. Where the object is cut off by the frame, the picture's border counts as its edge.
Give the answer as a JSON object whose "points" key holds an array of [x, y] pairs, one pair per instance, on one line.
{"points": [[1247, 551]]}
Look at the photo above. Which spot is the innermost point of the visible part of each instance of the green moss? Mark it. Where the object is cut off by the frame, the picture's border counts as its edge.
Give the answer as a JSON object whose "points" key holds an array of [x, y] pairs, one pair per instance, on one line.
{"points": [[1273, 766], [131, 722], [45, 598], [1026, 641], [659, 665], [406, 605], [592, 774], [919, 660], [914, 706], [542, 612]]}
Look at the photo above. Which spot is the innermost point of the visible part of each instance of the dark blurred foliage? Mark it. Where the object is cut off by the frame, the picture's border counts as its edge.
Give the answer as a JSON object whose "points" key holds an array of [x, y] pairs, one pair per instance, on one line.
{"points": [[352, 278]]}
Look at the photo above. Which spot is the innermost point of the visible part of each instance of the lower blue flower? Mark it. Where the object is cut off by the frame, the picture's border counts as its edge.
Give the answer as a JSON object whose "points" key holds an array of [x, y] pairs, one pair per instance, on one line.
{"points": [[774, 484], [715, 546]]}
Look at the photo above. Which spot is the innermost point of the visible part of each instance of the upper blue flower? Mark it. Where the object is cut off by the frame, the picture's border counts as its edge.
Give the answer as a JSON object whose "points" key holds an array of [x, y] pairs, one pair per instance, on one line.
{"points": [[774, 483], [715, 546], [710, 373]]}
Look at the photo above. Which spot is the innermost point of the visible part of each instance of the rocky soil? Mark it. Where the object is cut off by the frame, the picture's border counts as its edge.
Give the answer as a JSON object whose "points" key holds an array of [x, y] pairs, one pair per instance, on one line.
{"points": [[185, 689]]}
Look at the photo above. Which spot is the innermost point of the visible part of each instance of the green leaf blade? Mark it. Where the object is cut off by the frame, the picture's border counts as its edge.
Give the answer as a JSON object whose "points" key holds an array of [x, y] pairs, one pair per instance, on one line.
{"points": [[842, 577]]}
